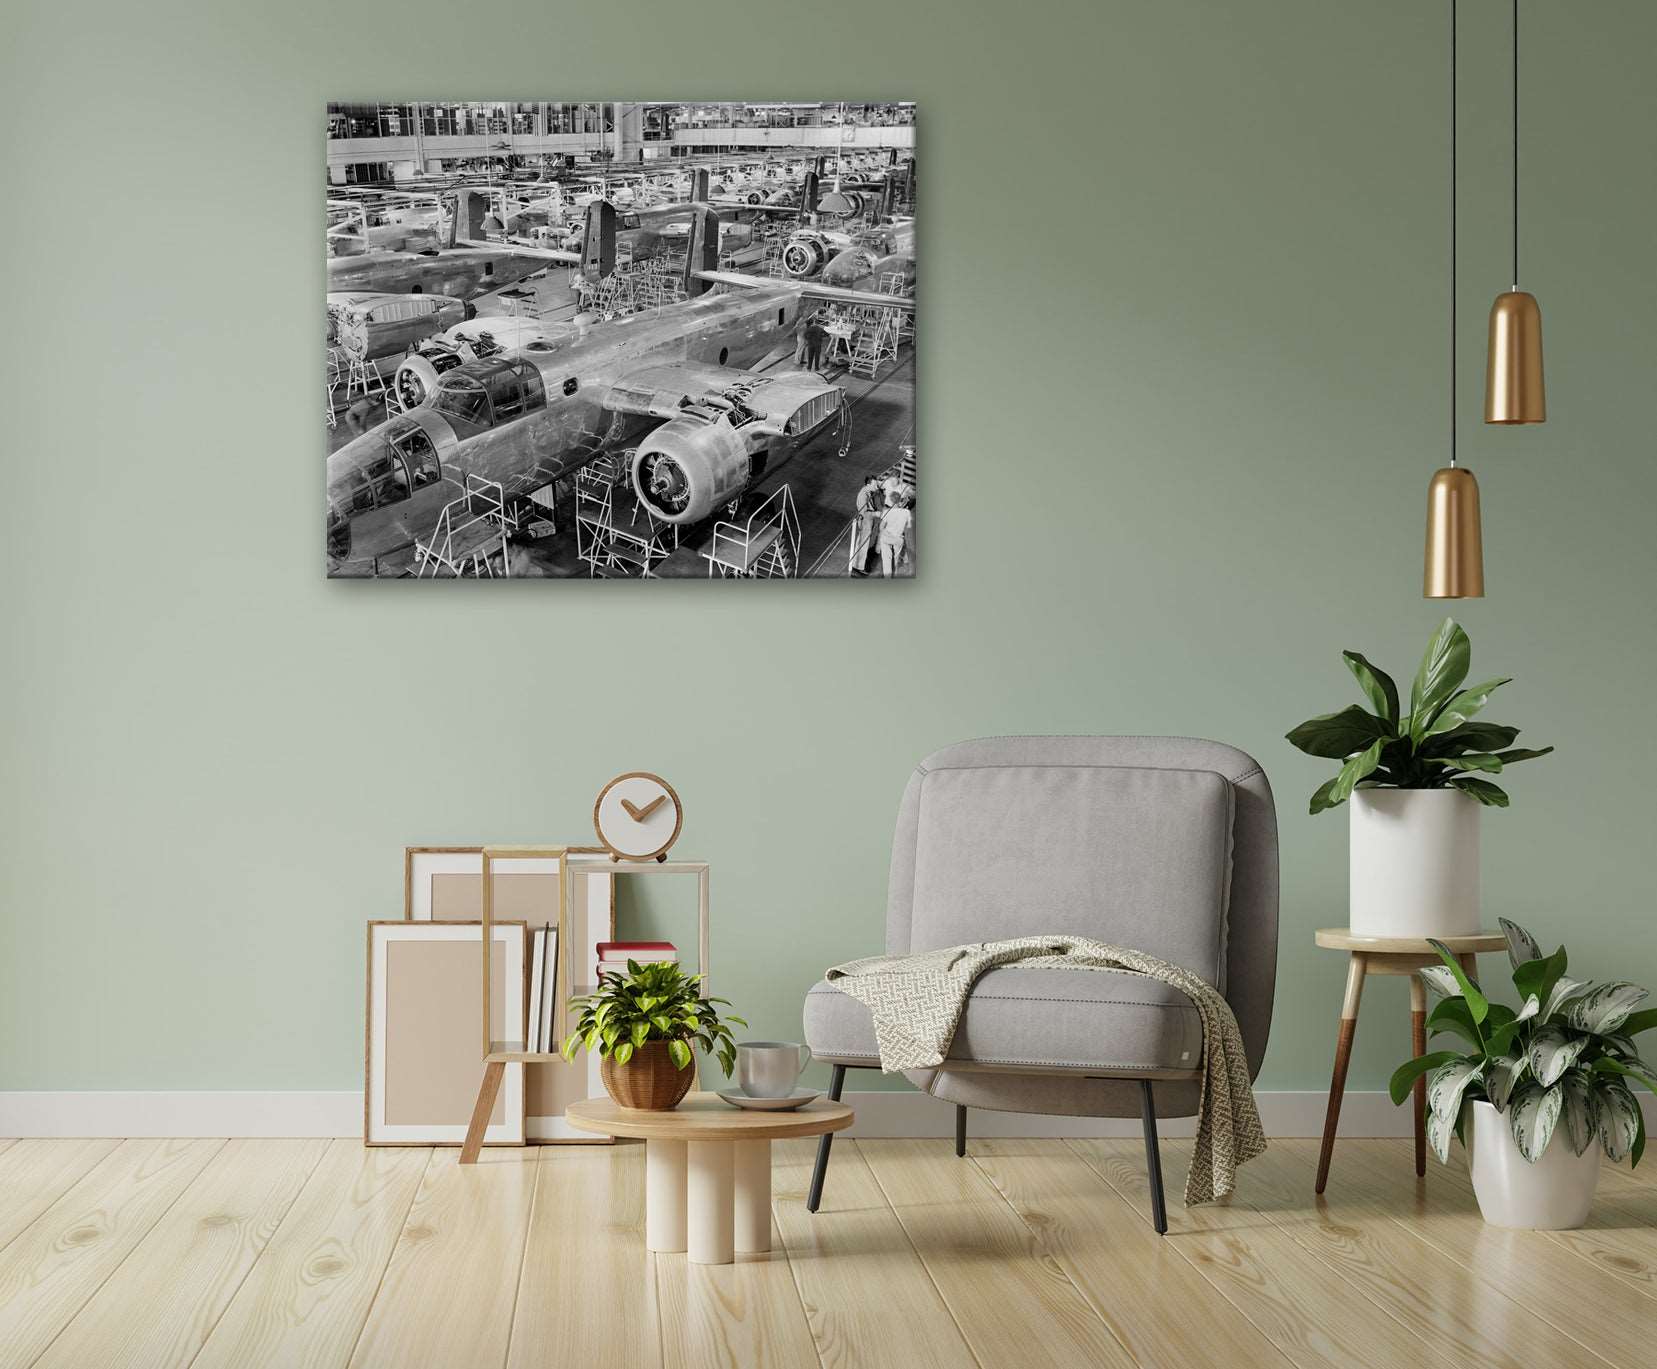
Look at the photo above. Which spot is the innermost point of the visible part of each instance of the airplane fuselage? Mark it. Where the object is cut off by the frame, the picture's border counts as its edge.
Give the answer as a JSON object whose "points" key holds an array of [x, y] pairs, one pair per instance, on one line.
{"points": [[458, 272], [387, 487]]}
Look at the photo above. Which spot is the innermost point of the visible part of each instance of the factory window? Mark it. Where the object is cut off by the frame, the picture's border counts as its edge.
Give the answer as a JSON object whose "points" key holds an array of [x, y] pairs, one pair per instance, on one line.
{"points": [[724, 355], [488, 268], [782, 317]]}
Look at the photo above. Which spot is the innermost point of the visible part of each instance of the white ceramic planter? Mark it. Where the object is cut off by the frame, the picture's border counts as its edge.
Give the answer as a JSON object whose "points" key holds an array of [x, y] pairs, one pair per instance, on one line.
{"points": [[1414, 862], [1554, 1194]]}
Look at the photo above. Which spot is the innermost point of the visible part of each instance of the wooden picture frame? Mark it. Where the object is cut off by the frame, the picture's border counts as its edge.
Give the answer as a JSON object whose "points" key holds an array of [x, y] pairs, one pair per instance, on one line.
{"points": [[420, 1068]]}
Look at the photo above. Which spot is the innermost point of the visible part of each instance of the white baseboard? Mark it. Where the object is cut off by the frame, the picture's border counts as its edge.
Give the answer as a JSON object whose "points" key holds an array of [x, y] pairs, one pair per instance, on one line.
{"points": [[1285, 1113], [879, 1114]]}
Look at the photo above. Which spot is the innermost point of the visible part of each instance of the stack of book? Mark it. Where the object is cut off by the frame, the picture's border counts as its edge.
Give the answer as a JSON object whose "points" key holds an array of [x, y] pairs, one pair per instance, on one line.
{"points": [[543, 987], [614, 955]]}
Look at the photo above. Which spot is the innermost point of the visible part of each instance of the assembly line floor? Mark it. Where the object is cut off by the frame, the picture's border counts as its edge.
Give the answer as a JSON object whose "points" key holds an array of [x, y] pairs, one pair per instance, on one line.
{"points": [[823, 485]]}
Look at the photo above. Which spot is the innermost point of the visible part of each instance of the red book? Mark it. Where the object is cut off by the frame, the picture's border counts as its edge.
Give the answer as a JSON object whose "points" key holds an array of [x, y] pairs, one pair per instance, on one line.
{"points": [[622, 950]]}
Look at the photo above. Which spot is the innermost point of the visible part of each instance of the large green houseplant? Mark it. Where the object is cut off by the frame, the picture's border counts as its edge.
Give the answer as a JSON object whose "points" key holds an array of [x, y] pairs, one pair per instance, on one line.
{"points": [[1567, 1052], [644, 1024], [1417, 776]]}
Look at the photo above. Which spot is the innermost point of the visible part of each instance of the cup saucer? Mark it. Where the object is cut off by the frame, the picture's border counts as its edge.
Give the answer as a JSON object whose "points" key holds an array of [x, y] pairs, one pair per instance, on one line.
{"points": [[787, 1103]]}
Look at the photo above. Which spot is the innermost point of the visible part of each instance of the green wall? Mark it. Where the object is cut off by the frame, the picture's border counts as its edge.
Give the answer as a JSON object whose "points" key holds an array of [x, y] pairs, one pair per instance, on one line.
{"points": [[1183, 384]]}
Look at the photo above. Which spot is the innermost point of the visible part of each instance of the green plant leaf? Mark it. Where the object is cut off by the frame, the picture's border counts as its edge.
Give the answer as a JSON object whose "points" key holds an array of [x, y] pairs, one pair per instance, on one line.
{"points": [[1477, 1003], [1404, 1077], [1632, 1069], [1447, 1084], [1320, 797], [1440, 980], [1353, 771], [1475, 736], [1471, 760], [1521, 945], [1581, 1112], [1377, 685], [624, 1052], [1562, 993], [1439, 1131], [1520, 754], [1453, 1015], [1605, 1007], [1553, 1050], [1335, 736], [1538, 977], [1502, 1078], [1461, 707], [1532, 1118], [1620, 1123], [1442, 669], [1638, 1148], [1637, 1022], [679, 1053], [1483, 790]]}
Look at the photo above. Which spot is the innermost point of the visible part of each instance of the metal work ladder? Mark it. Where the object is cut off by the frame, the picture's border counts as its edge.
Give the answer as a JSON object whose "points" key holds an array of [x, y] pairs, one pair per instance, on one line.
{"points": [[766, 547], [470, 532]]}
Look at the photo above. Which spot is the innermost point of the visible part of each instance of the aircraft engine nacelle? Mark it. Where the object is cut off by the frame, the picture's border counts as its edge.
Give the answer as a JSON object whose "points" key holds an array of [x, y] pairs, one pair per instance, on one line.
{"points": [[418, 373], [809, 250], [689, 466]]}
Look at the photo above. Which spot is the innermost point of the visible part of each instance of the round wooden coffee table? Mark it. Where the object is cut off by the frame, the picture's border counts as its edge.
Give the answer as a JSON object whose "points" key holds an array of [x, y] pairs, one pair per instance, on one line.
{"points": [[707, 1167]]}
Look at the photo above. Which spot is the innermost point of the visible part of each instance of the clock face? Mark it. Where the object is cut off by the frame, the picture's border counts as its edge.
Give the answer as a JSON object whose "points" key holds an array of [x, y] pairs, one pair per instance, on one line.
{"points": [[637, 815]]}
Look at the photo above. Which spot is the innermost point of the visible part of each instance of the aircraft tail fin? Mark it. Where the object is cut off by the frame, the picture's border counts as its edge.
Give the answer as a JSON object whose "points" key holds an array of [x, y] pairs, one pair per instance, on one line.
{"points": [[598, 244]]}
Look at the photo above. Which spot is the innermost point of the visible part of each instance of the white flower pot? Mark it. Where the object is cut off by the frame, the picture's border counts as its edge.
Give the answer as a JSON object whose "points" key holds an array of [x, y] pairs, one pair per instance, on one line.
{"points": [[1554, 1194], [1414, 862]]}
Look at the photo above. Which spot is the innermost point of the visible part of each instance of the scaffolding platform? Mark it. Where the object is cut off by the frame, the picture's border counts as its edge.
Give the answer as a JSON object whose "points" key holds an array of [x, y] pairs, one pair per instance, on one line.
{"points": [[470, 534]]}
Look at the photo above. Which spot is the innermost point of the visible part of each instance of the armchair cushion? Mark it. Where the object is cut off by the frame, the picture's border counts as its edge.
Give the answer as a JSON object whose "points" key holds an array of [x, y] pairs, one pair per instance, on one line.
{"points": [[1037, 1018], [1134, 855]]}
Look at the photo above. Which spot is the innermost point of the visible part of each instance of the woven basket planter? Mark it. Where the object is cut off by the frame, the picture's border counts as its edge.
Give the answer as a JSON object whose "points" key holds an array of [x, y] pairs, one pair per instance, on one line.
{"points": [[650, 1081]]}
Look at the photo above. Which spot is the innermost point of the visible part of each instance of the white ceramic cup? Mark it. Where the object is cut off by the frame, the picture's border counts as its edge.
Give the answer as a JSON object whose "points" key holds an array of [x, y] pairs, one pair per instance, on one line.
{"points": [[770, 1069]]}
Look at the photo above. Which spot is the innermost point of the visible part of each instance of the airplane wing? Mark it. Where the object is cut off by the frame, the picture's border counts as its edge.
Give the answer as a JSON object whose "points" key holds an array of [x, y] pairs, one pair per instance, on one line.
{"points": [[785, 404], [545, 253], [834, 293]]}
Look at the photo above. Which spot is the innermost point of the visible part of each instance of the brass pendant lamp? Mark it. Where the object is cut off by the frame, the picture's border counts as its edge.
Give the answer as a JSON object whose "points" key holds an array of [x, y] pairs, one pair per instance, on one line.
{"points": [[1454, 566], [1513, 390]]}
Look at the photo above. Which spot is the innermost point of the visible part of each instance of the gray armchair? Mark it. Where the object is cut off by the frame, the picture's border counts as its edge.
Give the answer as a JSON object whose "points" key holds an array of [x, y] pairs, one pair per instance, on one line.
{"points": [[1164, 844]]}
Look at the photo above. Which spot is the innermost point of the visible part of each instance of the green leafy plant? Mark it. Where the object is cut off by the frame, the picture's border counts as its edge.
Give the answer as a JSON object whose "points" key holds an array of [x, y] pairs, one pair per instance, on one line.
{"points": [[1566, 1051], [655, 1002], [1435, 745]]}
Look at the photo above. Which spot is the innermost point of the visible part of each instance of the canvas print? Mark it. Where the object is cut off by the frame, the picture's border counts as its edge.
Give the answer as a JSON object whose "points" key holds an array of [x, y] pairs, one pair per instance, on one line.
{"points": [[621, 340]]}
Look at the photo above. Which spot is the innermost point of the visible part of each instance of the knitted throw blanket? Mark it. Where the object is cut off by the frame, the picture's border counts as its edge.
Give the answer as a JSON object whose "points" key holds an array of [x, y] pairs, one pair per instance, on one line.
{"points": [[917, 1000]]}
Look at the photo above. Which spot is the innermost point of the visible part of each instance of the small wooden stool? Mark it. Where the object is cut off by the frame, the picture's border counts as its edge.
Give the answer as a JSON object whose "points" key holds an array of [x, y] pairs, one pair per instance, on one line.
{"points": [[1389, 955]]}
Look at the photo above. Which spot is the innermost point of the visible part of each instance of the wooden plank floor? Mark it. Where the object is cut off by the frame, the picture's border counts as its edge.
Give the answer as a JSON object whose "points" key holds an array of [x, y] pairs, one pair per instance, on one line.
{"points": [[310, 1253]]}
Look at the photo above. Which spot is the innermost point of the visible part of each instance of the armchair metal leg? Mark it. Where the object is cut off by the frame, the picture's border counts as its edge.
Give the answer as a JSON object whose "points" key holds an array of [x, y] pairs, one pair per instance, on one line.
{"points": [[1153, 1157], [836, 1083], [960, 1129]]}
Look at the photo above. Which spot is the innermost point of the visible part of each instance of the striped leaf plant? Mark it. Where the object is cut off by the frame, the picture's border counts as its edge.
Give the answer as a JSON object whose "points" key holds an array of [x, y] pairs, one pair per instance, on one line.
{"points": [[1566, 1053]]}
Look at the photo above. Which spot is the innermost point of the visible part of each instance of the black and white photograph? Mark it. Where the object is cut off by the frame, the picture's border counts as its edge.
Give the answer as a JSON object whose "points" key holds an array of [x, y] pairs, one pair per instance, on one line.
{"points": [[621, 341]]}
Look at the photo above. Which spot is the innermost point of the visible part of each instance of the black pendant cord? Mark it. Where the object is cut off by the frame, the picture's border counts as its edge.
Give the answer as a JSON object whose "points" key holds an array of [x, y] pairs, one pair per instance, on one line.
{"points": [[1515, 144], [1453, 27]]}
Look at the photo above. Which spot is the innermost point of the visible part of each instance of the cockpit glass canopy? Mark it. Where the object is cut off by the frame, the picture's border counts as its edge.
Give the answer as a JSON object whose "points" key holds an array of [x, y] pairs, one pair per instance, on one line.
{"points": [[481, 394]]}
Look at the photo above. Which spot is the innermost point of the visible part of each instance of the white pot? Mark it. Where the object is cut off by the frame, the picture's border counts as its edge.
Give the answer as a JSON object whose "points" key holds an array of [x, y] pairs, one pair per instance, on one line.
{"points": [[1414, 862], [1554, 1194]]}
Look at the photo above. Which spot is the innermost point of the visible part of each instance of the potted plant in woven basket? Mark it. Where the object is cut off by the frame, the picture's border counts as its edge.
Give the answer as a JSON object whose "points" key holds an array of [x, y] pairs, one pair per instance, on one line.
{"points": [[1545, 1089], [643, 1025], [1418, 774]]}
